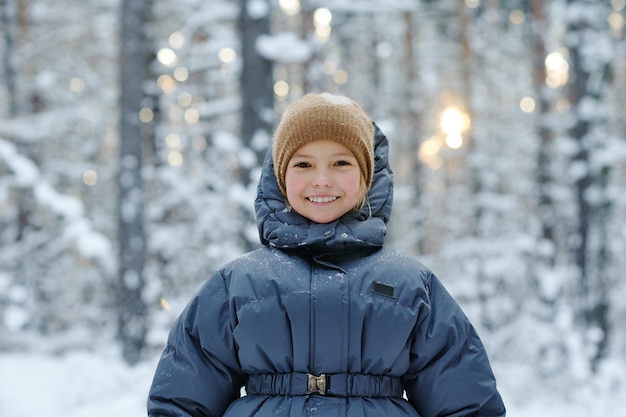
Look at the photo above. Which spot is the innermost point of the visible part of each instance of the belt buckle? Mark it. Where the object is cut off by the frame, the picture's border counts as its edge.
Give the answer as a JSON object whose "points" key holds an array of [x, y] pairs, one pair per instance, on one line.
{"points": [[317, 384]]}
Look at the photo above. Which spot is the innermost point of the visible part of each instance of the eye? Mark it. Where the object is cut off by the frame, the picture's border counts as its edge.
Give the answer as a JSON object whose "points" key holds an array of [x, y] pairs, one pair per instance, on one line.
{"points": [[301, 164], [343, 163]]}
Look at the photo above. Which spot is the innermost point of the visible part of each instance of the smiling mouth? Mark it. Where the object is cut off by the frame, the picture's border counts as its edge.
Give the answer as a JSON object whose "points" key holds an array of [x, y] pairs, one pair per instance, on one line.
{"points": [[321, 199]]}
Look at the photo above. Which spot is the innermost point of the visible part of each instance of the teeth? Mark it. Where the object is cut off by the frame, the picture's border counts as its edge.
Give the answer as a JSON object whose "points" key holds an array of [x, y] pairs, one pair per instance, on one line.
{"points": [[322, 199]]}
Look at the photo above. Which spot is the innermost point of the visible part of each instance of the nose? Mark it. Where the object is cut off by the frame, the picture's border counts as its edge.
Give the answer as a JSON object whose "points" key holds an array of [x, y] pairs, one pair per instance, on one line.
{"points": [[322, 179]]}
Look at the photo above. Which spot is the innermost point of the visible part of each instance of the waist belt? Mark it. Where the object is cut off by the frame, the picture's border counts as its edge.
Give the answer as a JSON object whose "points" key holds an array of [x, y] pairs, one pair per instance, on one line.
{"points": [[334, 385]]}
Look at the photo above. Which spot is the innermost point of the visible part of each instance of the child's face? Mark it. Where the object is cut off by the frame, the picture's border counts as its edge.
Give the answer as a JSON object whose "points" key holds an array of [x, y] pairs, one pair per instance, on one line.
{"points": [[323, 181]]}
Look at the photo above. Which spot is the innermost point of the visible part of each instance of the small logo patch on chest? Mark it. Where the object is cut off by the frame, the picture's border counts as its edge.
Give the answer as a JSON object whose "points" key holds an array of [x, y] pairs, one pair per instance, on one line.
{"points": [[383, 289]]}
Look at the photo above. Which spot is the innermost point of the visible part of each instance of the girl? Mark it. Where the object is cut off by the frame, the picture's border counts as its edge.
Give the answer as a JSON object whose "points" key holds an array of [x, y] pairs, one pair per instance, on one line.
{"points": [[323, 320]]}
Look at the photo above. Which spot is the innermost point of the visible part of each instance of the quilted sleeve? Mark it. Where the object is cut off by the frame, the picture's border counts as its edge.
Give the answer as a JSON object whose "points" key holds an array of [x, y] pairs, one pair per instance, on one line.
{"points": [[450, 374], [198, 373]]}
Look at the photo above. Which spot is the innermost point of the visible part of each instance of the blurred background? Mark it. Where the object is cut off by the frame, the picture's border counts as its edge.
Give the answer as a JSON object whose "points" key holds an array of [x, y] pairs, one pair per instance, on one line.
{"points": [[132, 134]]}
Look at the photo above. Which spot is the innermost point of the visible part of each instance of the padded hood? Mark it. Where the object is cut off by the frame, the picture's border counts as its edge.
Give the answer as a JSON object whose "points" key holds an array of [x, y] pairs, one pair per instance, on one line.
{"points": [[279, 226]]}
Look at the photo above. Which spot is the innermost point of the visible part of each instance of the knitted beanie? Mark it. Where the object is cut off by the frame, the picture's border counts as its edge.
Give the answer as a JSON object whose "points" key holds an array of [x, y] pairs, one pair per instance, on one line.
{"points": [[324, 117]]}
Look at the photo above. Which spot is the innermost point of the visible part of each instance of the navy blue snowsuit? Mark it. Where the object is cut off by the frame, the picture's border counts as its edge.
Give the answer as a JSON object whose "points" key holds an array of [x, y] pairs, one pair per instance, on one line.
{"points": [[324, 321]]}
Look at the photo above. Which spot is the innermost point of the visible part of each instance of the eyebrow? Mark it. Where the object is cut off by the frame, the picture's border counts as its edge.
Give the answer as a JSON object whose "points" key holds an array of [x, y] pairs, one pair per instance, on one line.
{"points": [[335, 155]]}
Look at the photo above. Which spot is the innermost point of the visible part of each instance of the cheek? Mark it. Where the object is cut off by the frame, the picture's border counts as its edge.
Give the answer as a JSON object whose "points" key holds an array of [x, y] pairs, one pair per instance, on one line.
{"points": [[353, 183], [293, 184]]}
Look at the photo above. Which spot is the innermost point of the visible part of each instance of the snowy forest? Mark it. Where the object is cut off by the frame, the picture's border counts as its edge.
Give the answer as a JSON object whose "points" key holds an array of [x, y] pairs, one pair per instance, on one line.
{"points": [[132, 134]]}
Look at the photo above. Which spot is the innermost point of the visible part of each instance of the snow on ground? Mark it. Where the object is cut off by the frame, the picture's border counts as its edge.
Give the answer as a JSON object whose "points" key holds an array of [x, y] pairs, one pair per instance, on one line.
{"points": [[95, 385], [73, 385]]}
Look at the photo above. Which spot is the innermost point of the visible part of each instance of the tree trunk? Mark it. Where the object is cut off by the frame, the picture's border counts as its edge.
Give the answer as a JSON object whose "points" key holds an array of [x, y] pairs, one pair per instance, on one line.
{"points": [[467, 64], [590, 132], [7, 17], [257, 87], [132, 311], [544, 177], [257, 90], [409, 119]]}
